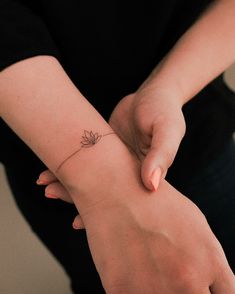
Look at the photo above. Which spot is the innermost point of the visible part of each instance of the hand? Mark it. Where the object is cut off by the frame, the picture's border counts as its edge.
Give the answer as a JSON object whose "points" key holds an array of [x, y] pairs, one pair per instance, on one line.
{"points": [[154, 242], [152, 124], [158, 243]]}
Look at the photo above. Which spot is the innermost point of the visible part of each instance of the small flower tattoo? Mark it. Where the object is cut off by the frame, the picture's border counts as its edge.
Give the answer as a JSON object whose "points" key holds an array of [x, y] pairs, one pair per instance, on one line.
{"points": [[89, 139]]}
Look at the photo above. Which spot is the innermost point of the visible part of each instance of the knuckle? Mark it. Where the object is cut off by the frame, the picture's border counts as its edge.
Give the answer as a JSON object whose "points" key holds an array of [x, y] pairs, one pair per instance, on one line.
{"points": [[187, 279]]}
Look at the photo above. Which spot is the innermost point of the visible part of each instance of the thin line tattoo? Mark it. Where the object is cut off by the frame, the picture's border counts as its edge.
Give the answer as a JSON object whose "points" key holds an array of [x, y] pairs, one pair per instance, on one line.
{"points": [[89, 139]]}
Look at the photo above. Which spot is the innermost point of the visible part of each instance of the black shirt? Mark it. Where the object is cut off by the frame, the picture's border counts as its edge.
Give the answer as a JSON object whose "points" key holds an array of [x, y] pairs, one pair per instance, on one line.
{"points": [[108, 48]]}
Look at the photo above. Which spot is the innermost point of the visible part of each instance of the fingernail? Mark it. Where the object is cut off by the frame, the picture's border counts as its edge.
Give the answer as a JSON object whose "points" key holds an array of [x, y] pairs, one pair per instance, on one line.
{"points": [[76, 227], [48, 195], [40, 182], [155, 178]]}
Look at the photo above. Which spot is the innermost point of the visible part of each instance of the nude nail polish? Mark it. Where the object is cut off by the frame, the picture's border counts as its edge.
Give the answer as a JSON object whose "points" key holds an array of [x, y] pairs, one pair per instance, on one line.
{"points": [[51, 196], [155, 178], [76, 227], [38, 182]]}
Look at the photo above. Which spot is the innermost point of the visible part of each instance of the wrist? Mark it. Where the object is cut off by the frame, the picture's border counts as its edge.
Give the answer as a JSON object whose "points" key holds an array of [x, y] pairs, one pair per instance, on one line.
{"points": [[162, 81], [91, 176], [163, 91]]}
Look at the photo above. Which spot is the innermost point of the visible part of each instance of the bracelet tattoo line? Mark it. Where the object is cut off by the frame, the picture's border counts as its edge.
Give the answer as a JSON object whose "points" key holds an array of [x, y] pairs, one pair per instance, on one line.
{"points": [[89, 139]]}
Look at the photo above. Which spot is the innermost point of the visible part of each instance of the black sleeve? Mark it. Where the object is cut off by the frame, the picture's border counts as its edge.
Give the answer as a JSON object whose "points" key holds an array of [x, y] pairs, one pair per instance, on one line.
{"points": [[23, 34]]}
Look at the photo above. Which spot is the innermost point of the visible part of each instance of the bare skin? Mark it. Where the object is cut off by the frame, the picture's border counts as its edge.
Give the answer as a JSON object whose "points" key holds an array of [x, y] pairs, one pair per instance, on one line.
{"points": [[191, 64], [115, 208], [119, 213], [162, 236]]}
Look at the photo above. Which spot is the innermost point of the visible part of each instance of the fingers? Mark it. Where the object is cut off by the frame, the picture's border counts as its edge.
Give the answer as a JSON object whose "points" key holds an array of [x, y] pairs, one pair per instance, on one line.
{"points": [[46, 177], [57, 191], [224, 279], [166, 138], [54, 189], [225, 282], [78, 223]]}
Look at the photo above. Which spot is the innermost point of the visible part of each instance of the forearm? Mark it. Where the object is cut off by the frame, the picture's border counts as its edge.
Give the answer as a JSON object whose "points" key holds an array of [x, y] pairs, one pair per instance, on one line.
{"points": [[200, 55], [41, 104]]}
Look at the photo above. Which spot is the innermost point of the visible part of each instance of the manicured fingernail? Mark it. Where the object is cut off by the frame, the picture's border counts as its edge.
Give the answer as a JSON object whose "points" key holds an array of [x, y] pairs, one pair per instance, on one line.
{"points": [[76, 227], [48, 195], [40, 182], [155, 178]]}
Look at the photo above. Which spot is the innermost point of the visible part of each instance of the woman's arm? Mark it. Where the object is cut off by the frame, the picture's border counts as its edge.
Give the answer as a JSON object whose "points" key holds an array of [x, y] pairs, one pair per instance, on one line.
{"points": [[200, 55], [153, 113], [41, 104], [128, 231]]}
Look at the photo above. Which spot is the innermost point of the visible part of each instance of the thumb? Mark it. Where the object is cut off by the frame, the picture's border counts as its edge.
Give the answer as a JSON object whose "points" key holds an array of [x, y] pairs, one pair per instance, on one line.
{"points": [[166, 138]]}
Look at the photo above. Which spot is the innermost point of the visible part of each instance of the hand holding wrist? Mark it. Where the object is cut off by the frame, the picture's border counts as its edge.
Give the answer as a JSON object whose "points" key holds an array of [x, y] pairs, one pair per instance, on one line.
{"points": [[151, 122], [128, 226]]}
